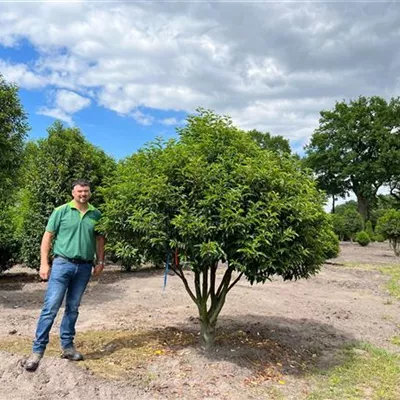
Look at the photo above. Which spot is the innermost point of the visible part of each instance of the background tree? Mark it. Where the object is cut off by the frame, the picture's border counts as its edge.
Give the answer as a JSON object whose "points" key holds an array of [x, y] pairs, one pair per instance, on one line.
{"points": [[357, 144], [13, 131], [347, 221], [389, 226], [278, 144], [50, 166], [216, 197]]}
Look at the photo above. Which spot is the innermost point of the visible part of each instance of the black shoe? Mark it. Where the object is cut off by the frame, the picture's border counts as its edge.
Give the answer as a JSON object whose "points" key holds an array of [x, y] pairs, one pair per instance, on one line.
{"points": [[72, 354], [33, 361]]}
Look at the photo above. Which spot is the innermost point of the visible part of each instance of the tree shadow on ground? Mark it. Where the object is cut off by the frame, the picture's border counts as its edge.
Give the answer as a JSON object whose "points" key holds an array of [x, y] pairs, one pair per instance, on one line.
{"points": [[13, 294], [267, 346], [16, 281]]}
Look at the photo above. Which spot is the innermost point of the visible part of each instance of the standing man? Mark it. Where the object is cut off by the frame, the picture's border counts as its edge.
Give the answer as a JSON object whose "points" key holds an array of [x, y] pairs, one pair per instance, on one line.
{"points": [[77, 250]]}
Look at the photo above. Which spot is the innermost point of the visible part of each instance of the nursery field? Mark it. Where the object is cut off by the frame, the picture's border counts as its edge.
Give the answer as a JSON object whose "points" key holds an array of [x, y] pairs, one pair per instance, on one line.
{"points": [[333, 336]]}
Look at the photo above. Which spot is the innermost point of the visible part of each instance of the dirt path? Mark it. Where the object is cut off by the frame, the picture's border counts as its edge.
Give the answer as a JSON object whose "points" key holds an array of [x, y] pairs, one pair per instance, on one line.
{"points": [[277, 328]]}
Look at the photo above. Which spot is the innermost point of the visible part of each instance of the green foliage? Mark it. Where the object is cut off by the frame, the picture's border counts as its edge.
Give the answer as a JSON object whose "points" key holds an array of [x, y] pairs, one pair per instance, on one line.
{"points": [[357, 147], [347, 221], [362, 238], [369, 230], [277, 144], [332, 244], [9, 243], [13, 130], [217, 196], [389, 227], [50, 166]]}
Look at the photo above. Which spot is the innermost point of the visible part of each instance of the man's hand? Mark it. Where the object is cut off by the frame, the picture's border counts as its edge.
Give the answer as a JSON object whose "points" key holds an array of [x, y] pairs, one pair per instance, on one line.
{"points": [[98, 269], [44, 271]]}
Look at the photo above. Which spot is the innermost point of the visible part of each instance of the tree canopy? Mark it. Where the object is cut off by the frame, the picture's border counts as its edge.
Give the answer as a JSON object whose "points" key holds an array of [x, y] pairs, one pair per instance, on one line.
{"points": [[278, 144], [13, 131], [216, 197], [357, 147]]}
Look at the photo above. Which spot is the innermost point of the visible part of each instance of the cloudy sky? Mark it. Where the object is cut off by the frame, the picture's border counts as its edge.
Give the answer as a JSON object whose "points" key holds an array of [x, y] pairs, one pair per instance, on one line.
{"points": [[126, 72]]}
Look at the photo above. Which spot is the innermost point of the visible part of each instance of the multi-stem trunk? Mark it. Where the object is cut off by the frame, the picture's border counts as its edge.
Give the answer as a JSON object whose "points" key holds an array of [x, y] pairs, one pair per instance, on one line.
{"points": [[209, 297]]}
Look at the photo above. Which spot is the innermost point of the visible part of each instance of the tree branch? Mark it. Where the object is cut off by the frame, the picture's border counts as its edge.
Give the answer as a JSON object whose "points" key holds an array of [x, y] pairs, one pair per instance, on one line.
{"points": [[225, 281], [185, 283], [205, 284], [234, 282], [213, 271]]}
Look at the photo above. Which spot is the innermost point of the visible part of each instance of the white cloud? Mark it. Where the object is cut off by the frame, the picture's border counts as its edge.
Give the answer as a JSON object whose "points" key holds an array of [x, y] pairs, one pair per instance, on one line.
{"points": [[20, 74], [142, 118], [65, 104], [70, 102], [271, 66], [56, 114], [169, 121]]}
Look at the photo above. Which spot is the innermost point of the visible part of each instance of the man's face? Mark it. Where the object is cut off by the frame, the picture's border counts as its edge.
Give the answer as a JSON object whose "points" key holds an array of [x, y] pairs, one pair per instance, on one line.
{"points": [[81, 194]]}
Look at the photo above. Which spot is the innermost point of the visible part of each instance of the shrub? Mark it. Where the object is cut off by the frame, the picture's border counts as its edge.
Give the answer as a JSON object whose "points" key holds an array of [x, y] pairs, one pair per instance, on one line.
{"points": [[389, 227], [346, 223], [362, 238], [9, 243]]}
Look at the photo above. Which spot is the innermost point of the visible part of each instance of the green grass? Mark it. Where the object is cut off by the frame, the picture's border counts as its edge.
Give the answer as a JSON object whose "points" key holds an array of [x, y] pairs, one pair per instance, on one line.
{"points": [[367, 373], [393, 285], [393, 271], [395, 340]]}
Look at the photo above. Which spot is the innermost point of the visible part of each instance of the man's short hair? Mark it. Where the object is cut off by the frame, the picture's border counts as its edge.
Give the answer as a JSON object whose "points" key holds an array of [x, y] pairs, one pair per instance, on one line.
{"points": [[80, 182]]}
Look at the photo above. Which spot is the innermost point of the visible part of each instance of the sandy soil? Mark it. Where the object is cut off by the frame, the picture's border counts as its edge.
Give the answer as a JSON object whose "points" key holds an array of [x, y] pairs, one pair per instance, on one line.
{"points": [[269, 335]]}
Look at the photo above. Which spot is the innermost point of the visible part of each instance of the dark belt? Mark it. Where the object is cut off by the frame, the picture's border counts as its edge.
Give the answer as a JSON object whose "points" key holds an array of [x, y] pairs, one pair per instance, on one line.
{"points": [[75, 260]]}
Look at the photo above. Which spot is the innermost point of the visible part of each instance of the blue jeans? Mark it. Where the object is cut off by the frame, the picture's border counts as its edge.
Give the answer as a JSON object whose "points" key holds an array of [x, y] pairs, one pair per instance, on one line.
{"points": [[65, 278]]}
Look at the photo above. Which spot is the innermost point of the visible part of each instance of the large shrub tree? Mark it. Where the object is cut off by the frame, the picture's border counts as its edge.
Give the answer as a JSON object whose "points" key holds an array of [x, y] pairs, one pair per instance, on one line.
{"points": [[356, 147], [13, 131], [50, 166], [216, 197]]}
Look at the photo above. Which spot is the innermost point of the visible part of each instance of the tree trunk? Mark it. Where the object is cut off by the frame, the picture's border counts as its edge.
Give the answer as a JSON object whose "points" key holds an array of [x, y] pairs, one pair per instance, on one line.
{"points": [[333, 204], [207, 333], [363, 206]]}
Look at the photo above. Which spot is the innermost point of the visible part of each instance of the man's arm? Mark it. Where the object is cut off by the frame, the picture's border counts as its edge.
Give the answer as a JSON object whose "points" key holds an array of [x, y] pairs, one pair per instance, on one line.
{"points": [[100, 242], [45, 247]]}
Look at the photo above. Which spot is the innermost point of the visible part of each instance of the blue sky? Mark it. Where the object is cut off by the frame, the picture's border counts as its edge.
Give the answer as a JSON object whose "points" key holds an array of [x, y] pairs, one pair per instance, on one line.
{"points": [[117, 134], [126, 72]]}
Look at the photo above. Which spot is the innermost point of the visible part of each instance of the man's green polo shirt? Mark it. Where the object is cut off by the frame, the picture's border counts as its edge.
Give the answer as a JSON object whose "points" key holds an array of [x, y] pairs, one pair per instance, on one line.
{"points": [[74, 232]]}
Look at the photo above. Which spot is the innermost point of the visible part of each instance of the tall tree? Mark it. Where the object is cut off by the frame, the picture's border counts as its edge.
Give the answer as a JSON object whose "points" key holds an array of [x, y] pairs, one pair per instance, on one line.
{"points": [[50, 166], [13, 131], [356, 147], [278, 144], [216, 197]]}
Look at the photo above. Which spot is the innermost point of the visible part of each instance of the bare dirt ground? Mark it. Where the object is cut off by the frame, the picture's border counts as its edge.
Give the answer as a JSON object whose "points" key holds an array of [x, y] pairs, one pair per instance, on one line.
{"points": [[142, 342]]}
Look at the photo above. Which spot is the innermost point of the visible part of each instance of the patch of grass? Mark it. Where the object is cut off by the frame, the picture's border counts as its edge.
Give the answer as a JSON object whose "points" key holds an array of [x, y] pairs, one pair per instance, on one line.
{"points": [[393, 271], [395, 340], [367, 373], [393, 285], [357, 265]]}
